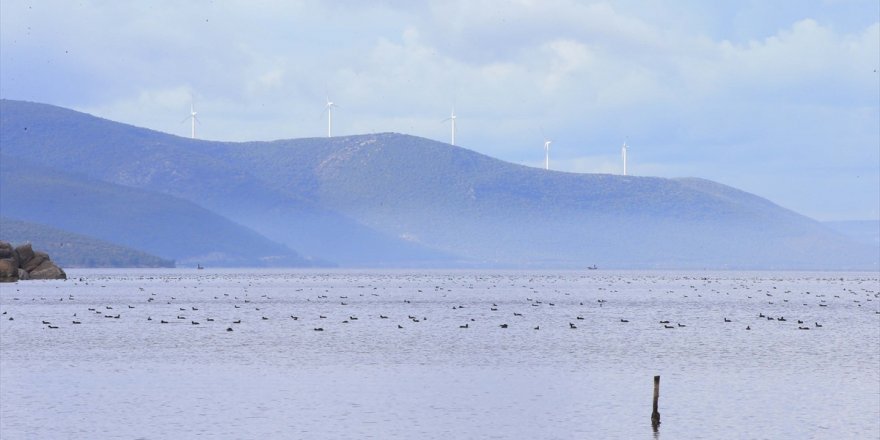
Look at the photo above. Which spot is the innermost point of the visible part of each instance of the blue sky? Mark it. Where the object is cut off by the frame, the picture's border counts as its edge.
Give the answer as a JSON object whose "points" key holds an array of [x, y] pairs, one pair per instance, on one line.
{"points": [[780, 98]]}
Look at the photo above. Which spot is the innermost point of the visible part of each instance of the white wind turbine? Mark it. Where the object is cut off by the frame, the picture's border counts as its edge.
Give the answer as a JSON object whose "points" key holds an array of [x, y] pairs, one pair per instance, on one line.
{"points": [[452, 118], [547, 154], [623, 153], [192, 116], [329, 109]]}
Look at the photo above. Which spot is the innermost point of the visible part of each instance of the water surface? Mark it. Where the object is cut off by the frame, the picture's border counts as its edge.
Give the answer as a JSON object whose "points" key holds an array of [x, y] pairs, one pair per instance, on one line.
{"points": [[418, 374]]}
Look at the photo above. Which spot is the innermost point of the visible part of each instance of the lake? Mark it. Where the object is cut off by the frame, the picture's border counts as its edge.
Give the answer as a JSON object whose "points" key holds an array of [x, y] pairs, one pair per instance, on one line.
{"points": [[440, 354]]}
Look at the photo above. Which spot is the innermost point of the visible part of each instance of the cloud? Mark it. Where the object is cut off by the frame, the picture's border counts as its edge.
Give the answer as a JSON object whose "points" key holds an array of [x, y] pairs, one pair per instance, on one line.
{"points": [[689, 84]]}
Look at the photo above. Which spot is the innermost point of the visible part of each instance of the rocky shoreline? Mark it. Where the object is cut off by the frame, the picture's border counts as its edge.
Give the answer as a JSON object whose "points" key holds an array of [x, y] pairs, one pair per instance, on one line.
{"points": [[24, 263]]}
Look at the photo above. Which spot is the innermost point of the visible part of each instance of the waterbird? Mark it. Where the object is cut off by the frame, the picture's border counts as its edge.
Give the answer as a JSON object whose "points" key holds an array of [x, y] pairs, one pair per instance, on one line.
{"points": [[463, 326], [194, 323], [537, 327], [77, 322], [399, 326], [164, 321], [571, 325], [664, 322], [53, 326], [681, 325], [580, 318], [237, 321], [229, 329], [319, 329], [726, 320], [46, 322], [668, 326], [503, 326], [748, 328], [803, 328], [818, 325], [624, 320]]}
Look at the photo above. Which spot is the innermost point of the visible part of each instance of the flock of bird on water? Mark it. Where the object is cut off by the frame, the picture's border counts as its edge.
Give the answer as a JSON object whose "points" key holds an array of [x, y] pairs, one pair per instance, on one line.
{"points": [[183, 312]]}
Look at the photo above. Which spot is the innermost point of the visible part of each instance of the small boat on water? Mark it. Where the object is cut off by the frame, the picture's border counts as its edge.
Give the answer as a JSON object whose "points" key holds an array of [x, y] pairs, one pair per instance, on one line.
{"points": [[593, 267]]}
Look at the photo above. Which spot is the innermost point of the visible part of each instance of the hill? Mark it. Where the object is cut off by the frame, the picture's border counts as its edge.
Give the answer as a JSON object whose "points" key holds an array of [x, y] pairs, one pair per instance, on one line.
{"points": [[69, 249], [159, 224], [396, 200]]}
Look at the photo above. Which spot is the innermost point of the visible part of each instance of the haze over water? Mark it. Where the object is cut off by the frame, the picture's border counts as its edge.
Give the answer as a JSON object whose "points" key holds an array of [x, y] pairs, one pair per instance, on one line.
{"points": [[418, 374]]}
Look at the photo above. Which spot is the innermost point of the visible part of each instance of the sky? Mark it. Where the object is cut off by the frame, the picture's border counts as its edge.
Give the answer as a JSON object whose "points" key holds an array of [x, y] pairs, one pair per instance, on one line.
{"points": [[780, 99]]}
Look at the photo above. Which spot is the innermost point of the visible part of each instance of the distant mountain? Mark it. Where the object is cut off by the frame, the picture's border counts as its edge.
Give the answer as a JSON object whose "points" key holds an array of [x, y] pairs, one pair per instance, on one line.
{"points": [[862, 231], [160, 224], [397, 200], [69, 249]]}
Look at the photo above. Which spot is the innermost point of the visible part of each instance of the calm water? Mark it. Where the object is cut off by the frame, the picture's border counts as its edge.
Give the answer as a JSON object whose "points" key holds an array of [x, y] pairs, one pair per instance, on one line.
{"points": [[133, 377]]}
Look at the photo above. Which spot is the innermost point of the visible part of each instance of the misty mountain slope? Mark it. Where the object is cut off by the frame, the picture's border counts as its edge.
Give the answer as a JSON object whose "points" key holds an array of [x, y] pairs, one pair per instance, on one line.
{"points": [[156, 223], [390, 199], [203, 172], [499, 213], [69, 249]]}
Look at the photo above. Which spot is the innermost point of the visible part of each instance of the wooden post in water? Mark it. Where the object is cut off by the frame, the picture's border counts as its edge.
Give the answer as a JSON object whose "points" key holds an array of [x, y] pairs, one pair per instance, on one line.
{"points": [[655, 416]]}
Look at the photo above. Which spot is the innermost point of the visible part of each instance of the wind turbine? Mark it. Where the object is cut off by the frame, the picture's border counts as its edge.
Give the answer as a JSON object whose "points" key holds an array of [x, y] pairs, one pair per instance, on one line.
{"points": [[547, 154], [329, 109], [192, 116], [452, 118], [623, 153]]}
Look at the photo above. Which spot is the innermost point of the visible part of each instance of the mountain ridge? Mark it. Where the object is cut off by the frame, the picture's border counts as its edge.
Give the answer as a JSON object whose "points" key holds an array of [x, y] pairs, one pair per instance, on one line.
{"points": [[395, 200]]}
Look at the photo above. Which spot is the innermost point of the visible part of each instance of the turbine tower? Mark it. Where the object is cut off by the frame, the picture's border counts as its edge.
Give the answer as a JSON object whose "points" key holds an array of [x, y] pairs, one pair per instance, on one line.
{"points": [[623, 153], [547, 154], [192, 116], [329, 109], [452, 118]]}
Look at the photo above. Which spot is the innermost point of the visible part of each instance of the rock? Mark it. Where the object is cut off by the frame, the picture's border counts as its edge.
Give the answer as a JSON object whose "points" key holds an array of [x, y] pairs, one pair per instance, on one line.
{"points": [[23, 263], [35, 261], [8, 270], [47, 270], [6, 250], [25, 252]]}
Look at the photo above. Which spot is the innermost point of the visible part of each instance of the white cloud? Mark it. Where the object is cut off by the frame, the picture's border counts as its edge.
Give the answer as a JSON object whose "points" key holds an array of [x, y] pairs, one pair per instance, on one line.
{"points": [[690, 83]]}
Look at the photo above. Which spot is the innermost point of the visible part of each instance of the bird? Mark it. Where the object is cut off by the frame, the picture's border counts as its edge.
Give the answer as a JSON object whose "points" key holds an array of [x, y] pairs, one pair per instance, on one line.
{"points": [[319, 329], [726, 320], [399, 326], [503, 325], [571, 325], [77, 322], [681, 325], [537, 327], [748, 327], [463, 326], [229, 329], [818, 325], [668, 326], [624, 320], [237, 321]]}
